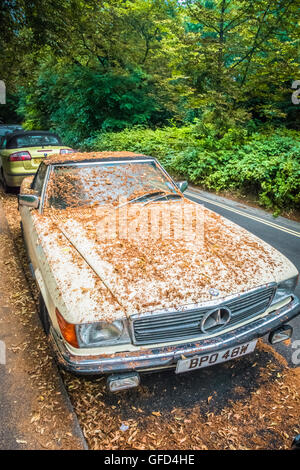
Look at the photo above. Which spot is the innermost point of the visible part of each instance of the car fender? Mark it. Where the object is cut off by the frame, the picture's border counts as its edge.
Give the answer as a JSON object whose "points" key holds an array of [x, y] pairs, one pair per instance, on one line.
{"points": [[47, 297]]}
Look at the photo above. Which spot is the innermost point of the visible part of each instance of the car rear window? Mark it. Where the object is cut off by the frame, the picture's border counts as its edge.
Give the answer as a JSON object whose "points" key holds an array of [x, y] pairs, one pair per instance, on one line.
{"points": [[35, 140]]}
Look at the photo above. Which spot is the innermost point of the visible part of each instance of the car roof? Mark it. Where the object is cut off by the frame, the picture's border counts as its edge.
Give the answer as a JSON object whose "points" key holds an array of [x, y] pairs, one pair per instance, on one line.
{"points": [[87, 157]]}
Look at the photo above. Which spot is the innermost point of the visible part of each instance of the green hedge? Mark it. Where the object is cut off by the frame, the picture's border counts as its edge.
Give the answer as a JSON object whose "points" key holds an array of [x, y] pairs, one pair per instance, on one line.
{"points": [[76, 101], [264, 164]]}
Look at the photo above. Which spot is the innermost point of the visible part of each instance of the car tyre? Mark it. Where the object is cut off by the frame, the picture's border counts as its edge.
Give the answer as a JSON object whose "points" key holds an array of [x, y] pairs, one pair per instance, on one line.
{"points": [[6, 188], [44, 315]]}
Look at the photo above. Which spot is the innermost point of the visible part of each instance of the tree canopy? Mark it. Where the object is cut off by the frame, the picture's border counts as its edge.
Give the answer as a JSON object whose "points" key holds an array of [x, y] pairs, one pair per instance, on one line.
{"points": [[97, 64]]}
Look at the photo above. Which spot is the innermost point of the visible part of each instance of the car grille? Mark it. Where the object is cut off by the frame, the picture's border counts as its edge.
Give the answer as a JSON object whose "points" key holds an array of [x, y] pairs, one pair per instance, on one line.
{"points": [[169, 327]]}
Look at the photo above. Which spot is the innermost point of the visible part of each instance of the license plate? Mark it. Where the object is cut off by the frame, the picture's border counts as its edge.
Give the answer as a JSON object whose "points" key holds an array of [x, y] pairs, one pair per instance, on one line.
{"points": [[206, 360]]}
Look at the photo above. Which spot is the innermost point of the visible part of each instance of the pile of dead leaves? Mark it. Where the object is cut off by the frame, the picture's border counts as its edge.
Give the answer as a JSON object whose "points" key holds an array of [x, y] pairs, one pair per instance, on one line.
{"points": [[266, 419]]}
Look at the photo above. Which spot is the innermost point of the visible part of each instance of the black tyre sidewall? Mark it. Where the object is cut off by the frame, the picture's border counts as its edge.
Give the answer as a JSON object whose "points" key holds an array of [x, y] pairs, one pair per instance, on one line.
{"points": [[43, 315], [3, 181]]}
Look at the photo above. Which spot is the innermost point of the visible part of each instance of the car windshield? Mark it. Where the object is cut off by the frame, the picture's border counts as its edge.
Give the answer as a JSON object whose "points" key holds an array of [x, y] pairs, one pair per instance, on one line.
{"points": [[33, 140], [107, 183]]}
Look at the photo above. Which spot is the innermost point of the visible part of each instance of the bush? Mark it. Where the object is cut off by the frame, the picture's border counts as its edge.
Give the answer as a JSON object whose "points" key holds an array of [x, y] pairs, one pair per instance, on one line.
{"points": [[265, 164], [77, 101]]}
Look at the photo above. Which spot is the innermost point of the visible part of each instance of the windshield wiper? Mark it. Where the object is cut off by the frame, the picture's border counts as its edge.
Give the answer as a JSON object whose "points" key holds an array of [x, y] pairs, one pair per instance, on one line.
{"points": [[155, 193], [162, 196]]}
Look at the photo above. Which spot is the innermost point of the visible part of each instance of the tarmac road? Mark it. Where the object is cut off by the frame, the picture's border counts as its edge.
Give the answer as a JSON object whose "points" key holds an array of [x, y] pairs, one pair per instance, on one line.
{"points": [[283, 234]]}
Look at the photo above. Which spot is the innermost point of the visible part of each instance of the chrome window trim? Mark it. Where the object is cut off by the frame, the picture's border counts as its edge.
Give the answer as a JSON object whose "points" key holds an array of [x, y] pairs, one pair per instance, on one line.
{"points": [[44, 189], [51, 167], [95, 162]]}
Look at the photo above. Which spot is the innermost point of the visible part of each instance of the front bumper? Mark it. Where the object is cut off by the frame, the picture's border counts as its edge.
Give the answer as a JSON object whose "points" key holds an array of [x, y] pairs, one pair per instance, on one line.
{"points": [[167, 356]]}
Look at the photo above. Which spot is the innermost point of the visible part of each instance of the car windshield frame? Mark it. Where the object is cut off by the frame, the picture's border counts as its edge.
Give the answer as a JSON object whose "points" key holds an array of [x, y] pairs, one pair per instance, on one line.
{"points": [[51, 167]]}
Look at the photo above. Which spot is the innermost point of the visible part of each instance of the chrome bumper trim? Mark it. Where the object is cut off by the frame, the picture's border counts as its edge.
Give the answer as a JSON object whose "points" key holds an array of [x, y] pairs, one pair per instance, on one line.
{"points": [[167, 356]]}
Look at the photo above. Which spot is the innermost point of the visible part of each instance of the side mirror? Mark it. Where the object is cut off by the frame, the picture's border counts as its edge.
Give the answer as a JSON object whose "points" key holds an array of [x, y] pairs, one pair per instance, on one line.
{"points": [[29, 200], [182, 185]]}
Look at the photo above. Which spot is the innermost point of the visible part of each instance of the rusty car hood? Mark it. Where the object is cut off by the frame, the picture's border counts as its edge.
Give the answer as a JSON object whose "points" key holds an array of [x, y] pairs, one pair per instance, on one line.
{"points": [[104, 271]]}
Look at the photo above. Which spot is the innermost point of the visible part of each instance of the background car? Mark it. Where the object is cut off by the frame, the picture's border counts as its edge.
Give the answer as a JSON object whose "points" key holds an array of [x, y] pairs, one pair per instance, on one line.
{"points": [[21, 153], [8, 128]]}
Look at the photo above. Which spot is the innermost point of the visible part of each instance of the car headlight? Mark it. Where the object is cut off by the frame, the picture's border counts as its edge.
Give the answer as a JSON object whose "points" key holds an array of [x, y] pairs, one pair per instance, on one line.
{"points": [[285, 288], [91, 335]]}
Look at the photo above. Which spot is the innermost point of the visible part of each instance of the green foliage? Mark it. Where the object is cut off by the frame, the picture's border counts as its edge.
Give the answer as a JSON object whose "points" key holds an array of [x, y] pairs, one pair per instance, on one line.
{"points": [[218, 73], [240, 54], [264, 164], [8, 113], [227, 60]]}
